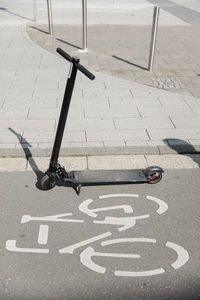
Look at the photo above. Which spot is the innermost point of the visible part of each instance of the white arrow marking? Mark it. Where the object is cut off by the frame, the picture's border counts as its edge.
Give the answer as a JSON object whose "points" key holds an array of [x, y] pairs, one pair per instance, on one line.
{"points": [[183, 255], [54, 218]]}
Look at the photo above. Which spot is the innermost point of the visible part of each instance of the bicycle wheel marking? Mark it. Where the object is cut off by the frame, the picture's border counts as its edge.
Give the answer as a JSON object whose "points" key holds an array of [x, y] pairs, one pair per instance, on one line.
{"points": [[139, 273], [183, 255], [163, 207], [87, 254]]}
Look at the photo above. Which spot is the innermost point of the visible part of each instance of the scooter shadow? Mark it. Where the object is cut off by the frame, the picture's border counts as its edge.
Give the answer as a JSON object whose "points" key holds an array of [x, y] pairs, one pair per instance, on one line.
{"points": [[183, 147], [26, 148]]}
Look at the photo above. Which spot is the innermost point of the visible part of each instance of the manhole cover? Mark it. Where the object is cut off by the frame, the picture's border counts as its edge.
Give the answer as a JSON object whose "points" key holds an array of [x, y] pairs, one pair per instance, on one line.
{"points": [[168, 83]]}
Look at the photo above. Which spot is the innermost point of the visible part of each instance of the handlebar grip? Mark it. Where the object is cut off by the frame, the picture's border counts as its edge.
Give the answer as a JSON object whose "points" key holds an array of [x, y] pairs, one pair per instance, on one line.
{"points": [[64, 54], [85, 71]]}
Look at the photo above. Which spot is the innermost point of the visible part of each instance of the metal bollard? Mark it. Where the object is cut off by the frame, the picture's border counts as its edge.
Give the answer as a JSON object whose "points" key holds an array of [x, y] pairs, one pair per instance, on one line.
{"points": [[84, 25], [34, 11], [50, 22], [153, 37]]}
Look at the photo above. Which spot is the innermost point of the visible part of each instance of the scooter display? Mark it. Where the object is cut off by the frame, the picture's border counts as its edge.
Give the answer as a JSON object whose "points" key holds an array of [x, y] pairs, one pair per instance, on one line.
{"points": [[77, 179]]}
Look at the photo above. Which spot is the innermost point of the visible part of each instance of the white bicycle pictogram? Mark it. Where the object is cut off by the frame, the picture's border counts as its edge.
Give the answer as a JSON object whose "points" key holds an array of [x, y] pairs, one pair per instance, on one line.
{"points": [[123, 224]]}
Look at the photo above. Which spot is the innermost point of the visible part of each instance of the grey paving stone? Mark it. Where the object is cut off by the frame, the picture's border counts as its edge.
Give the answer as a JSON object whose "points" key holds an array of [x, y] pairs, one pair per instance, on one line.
{"points": [[37, 137], [5, 85], [136, 143], [30, 125], [165, 112], [47, 113], [178, 101], [92, 144], [12, 165], [27, 146], [22, 85], [76, 113], [70, 163], [90, 124], [149, 93], [186, 122], [45, 145], [48, 137], [185, 72], [9, 138], [7, 74], [107, 93], [14, 114], [162, 134], [19, 94], [2, 101], [71, 145], [116, 135], [28, 103], [114, 144], [143, 123], [113, 112], [145, 143], [7, 146], [47, 85], [121, 102], [74, 136], [171, 161], [150, 101], [42, 94], [194, 142], [116, 162], [99, 103]]}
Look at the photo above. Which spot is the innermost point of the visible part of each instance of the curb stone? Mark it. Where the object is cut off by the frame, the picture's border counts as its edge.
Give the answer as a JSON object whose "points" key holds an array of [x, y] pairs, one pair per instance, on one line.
{"points": [[36, 164]]}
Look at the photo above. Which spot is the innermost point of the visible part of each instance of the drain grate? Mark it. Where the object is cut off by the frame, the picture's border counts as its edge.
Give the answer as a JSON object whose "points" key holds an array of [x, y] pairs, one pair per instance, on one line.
{"points": [[168, 83]]}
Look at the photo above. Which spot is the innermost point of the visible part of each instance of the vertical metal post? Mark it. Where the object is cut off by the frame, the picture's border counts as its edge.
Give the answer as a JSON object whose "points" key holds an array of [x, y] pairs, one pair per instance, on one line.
{"points": [[34, 10], [153, 37], [84, 25], [50, 20]]}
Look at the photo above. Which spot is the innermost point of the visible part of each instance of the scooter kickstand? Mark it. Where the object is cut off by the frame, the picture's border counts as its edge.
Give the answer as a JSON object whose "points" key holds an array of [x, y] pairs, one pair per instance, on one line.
{"points": [[74, 184], [78, 189]]}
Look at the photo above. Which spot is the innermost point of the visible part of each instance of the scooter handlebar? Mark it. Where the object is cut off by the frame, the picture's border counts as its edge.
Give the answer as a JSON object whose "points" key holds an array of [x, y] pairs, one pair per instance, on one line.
{"points": [[78, 66], [64, 54], [85, 71]]}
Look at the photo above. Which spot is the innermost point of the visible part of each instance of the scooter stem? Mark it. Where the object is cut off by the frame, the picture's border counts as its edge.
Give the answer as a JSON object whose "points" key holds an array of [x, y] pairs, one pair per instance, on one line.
{"points": [[63, 114]]}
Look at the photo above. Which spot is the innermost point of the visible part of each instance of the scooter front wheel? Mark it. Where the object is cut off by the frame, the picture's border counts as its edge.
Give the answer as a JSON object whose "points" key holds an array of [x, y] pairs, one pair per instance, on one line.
{"points": [[48, 182], [153, 174]]}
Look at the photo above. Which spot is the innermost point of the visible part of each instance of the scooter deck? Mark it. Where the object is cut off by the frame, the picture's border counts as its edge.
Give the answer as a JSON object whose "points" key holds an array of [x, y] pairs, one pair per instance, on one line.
{"points": [[97, 177]]}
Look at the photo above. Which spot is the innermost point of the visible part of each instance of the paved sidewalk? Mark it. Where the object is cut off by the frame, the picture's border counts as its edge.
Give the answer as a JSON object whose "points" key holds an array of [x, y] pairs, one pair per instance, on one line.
{"points": [[108, 115], [124, 52]]}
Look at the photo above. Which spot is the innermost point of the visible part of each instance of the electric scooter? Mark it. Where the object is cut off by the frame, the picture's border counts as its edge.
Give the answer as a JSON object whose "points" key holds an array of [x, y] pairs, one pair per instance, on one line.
{"points": [[77, 179]]}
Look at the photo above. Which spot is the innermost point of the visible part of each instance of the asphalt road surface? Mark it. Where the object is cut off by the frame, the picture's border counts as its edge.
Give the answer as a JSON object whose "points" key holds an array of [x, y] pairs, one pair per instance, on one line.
{"points": [[111, 242]]}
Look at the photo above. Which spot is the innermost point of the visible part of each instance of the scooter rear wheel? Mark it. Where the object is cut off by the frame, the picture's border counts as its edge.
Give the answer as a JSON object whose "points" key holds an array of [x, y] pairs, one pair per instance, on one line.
{"points": [[47, 182]]}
